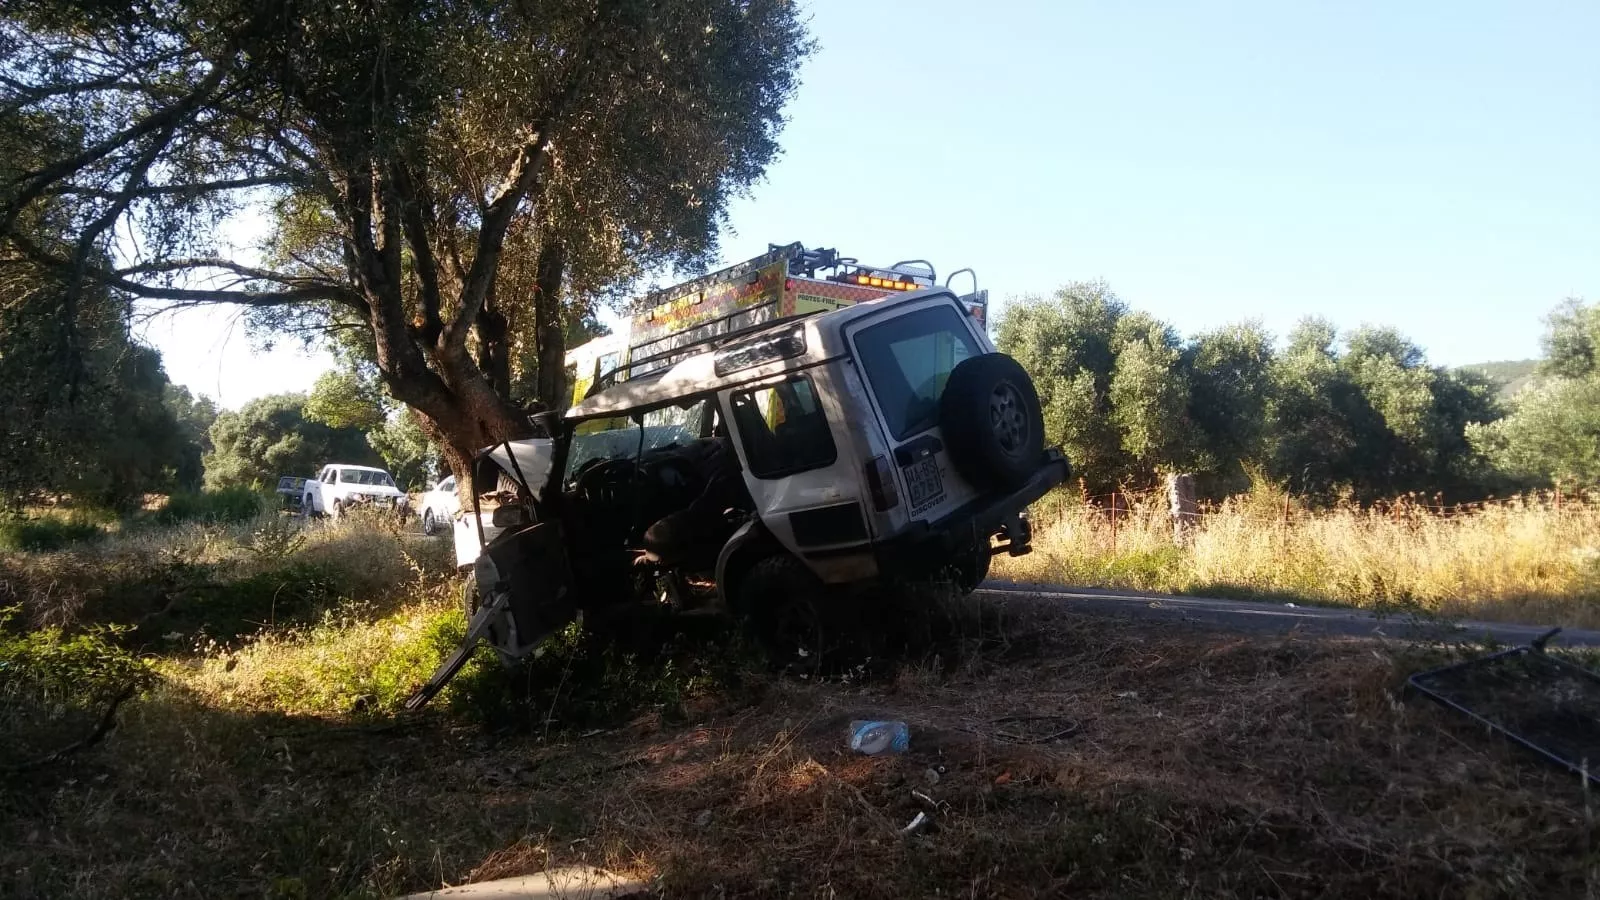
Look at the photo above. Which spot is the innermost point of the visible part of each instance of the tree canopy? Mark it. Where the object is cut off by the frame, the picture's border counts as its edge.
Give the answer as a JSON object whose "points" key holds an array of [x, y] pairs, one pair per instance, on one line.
{"points": [[436, 174], [1128, 398], [1553, 432], [270, 437]]}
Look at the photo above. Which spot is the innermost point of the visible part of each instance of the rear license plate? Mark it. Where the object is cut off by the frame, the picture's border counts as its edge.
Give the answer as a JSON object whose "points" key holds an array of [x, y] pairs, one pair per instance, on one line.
{"points": [[922, 482]]}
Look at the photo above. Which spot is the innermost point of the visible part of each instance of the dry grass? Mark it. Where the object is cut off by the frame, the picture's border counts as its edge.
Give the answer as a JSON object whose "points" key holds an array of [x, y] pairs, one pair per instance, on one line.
{"points": [[1527, 559], [1203, 765], [175, 579], [268, 759]]}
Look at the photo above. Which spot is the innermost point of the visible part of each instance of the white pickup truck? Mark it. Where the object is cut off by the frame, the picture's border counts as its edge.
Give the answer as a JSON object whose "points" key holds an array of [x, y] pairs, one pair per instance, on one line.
{"points": [[339, 487]]}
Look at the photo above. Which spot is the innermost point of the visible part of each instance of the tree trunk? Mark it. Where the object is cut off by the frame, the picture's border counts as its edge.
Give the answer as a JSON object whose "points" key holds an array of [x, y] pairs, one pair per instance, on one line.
{"points": [[494, 350], [550, 336]]}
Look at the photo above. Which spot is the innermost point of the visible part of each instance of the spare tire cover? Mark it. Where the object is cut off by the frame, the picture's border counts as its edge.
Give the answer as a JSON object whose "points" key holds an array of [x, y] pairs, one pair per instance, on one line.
{"points": [[991, 421]]}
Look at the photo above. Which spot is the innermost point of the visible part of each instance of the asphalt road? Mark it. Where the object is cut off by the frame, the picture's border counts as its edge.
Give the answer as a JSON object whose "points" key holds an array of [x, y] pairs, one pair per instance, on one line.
{"points": [[1259, 617]]}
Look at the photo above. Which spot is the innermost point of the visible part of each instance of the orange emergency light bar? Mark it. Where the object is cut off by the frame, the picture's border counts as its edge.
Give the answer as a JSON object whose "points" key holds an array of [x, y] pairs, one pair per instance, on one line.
{"points": [[887, 283]]}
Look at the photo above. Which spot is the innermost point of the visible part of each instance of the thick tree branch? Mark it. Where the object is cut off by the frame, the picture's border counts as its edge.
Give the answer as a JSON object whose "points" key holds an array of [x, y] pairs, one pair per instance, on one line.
{"points": [[304, 291], [35, 184], [386, 226], [166, 190], [519, 181], [417, 213]]}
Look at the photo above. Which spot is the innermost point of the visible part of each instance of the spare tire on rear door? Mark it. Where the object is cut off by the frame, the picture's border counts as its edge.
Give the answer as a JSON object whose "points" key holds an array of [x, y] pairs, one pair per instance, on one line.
{"points": [[991, 422]]}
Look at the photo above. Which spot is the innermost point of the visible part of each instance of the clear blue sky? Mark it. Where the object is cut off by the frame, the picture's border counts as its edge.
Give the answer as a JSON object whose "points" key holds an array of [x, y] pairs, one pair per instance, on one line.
{"points": [[1430, 165]]}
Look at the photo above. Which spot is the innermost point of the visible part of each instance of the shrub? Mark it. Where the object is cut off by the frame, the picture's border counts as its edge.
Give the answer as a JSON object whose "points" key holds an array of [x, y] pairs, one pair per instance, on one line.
{"points": [[226, 506], [47, 533], [348, 663], [65, 669], [52, 685]]}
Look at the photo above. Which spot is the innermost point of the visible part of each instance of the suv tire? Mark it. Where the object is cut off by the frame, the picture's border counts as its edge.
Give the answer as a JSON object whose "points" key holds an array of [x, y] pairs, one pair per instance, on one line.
{"points": [[785, 603], [992, 423], [970, 572]]}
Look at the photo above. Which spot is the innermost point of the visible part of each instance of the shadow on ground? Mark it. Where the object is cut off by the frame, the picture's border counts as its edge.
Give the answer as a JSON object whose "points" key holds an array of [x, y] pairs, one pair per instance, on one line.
{"points": [[1197, 764]]}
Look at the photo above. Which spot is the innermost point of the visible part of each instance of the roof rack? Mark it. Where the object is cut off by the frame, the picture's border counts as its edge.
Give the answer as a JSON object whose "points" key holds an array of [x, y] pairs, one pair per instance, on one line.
{"points": [[668, 358]]}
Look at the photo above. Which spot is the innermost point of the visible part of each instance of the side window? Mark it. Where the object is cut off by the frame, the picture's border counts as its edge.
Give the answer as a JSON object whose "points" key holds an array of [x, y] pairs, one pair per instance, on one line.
{"points": [[783, 429], [908, 360], [330, 476]]}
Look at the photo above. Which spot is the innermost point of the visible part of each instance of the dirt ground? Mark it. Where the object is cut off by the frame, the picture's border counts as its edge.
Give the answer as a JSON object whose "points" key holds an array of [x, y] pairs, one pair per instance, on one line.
{"points": [[1194, 764]]}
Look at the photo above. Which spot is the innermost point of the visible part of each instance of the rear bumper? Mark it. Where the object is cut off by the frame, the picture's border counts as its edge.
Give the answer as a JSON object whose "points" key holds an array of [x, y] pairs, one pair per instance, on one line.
{"points": [[927, 546]]}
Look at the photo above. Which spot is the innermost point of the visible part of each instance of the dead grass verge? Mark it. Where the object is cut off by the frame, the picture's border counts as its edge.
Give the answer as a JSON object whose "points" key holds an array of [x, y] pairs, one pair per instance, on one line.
{"points": [[1204, 765], [1534, 558]]}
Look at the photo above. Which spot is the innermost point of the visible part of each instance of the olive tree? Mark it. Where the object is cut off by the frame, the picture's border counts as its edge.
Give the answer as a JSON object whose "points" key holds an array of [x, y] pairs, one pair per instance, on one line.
{"points": [[433, 173]]}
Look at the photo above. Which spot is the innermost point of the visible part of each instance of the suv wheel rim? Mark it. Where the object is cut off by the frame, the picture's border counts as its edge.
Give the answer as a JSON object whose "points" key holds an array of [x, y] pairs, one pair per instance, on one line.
{"points": [[1007, 418]]}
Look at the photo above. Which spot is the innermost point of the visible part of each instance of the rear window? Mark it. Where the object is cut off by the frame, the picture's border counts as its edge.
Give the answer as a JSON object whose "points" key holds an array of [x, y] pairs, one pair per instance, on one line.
{"points": [[783, 428], [908, 360]]}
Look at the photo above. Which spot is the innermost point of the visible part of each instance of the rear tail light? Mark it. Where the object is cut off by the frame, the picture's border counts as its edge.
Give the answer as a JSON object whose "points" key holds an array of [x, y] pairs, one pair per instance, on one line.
{"points": [[880, 481]]}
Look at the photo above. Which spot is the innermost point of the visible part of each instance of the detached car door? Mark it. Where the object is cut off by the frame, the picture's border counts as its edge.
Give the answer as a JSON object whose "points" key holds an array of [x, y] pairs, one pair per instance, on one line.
{"points": [[907, 355]]}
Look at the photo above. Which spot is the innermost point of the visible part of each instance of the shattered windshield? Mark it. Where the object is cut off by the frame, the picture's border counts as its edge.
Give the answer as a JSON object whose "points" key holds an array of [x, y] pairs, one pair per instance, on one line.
{"points": [[619, 438]]}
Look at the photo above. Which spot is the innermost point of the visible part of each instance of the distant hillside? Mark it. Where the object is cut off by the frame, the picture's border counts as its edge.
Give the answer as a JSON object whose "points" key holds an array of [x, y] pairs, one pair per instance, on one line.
{"points": [[1509, 375]]}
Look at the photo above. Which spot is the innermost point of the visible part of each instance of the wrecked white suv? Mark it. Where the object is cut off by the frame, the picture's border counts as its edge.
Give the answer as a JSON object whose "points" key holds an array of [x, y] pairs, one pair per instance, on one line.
{"points": [[762, 470]]}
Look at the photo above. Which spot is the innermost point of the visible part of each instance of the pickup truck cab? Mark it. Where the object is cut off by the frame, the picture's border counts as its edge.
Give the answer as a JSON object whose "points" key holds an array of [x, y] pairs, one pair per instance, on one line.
{"points": [[340, 487]]}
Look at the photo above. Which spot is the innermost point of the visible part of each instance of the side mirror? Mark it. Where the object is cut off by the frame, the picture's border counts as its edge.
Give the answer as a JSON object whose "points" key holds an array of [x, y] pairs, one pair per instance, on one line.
{"points": [[508, 516]]}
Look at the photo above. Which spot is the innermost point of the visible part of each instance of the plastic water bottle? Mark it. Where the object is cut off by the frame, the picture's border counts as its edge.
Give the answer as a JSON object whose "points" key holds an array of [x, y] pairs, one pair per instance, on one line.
{"points": [[874, 737]]}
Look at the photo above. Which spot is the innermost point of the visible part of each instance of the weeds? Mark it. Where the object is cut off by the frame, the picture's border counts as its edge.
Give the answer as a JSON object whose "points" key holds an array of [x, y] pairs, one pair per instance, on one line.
{"points": [[227, 506], [277, 538], [1530, 558], [51, 684], [44, 533], [267, 755]]}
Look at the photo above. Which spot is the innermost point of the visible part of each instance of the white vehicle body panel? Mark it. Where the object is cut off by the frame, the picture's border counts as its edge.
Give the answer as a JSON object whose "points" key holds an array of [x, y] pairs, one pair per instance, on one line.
{"points": [[442, 503], [331, 485], [932, 462], [533, 457], [858, 426]]}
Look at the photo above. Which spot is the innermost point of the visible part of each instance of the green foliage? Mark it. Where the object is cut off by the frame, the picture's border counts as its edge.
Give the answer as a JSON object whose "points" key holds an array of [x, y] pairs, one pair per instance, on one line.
{"points": [[406, 450], [437, 174], [1509, 377], [48, 666], [1572, 340], [271, 436], [1128, 399], [194, 416], [1150, 393], [343, 399], [1229, 370], [223, 506], [1552, 435], [1067, 342], [85, 409], [48, 532], [83, 412]]}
